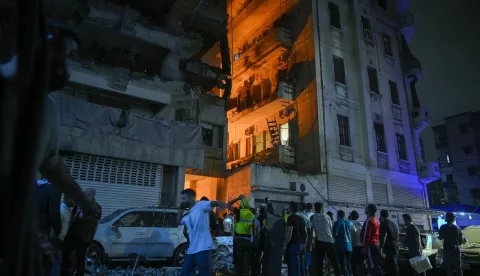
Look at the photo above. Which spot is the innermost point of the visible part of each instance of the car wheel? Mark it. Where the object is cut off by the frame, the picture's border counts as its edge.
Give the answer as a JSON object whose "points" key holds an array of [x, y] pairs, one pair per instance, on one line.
{"points": [[179, 254], [95, 254]]}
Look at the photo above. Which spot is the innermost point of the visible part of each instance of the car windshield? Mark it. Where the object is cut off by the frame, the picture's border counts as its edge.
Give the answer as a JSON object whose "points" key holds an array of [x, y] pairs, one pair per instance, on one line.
{"points": [[472, 234], [112, 216]]}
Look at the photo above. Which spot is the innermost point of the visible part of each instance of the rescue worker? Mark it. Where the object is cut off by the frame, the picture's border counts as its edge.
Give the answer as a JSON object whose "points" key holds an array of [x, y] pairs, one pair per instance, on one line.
{"points": [[242, 241]]}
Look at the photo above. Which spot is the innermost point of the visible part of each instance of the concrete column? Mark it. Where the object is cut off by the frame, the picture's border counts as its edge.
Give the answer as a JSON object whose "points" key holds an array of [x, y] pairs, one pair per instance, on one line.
{"points": [[391, 200], [180, 183], [368, 181]]}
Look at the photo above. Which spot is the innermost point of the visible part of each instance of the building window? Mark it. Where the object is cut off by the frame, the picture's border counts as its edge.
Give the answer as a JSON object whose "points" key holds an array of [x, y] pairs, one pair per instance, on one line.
{"points": [[464, 129], [212, 135], [258, 143], [334, 16], [401, 147], [449, 177], [380, 137], [373, 80], [468, 150], [233, 152], [344, 131], [367, 29], [284, 134], [387, 45], [249, 146], [383, 4], [394, 93], [473, 171], [475, 195], [339, 68]]}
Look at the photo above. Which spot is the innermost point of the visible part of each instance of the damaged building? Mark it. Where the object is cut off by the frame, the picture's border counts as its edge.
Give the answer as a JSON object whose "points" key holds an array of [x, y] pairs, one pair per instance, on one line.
{"points": [[143, 114], [288, 99], [324, 107]]}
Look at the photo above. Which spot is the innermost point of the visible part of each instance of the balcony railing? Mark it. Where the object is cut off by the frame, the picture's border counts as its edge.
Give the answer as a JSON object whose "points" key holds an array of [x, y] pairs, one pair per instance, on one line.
{"points": [[260, 47], [382, 160], [346, 153], [404, 166], [397, 115], [281, 155], [249, 7]]}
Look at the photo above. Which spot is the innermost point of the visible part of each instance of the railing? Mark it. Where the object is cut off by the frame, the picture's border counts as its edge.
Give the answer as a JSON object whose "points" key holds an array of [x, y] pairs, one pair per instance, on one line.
{"points": [[382, 160], [404, 166], [346, 153], [277, 155], [397, 114], [249, 7]]}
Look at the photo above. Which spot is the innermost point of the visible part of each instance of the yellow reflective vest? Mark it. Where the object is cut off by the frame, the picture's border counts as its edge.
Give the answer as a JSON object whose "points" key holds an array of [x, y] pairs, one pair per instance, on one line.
{"points": [[244, 225], [286, 217]]}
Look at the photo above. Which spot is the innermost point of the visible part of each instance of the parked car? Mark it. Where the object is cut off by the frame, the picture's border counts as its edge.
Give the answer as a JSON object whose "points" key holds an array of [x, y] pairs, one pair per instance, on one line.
{"points": [[471, 249], [153, 233]]}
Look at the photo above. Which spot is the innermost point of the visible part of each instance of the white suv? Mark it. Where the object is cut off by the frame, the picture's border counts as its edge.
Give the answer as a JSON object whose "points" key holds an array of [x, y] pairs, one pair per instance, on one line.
{"points": [[153, 233]]}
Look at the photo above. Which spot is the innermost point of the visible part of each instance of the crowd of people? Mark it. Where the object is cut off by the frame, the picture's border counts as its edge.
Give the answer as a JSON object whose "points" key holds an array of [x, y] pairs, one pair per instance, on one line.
{"points": [[64, 229], [310, 241]]}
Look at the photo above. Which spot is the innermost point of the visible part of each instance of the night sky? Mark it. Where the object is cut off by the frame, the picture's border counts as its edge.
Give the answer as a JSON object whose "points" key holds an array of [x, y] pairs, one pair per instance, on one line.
{"points": [[447, 43]]}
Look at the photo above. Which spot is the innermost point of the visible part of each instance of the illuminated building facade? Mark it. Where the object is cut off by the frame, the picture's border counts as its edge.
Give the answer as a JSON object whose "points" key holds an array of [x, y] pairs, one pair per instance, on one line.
{"points": [[324, 107]]}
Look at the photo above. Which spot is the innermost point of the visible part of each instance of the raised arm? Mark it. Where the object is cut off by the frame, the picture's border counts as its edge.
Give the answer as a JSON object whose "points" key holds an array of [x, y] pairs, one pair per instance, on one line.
{"points": [[240, 197], [221, 205]]}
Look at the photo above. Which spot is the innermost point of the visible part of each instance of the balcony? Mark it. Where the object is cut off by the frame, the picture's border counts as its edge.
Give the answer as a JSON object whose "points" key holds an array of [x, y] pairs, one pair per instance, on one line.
{"points": [[429, 172], [252, 12], [404, 166], [382, 160], [420, 118], [119, 80], [346, 153], [252, 108], [279, 155], [214, 153], [265, 49], [397, 115]]}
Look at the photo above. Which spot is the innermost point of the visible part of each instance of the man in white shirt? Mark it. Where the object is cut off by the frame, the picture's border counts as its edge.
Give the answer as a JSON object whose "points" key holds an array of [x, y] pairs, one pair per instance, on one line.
{"points": [[199, 252], [321, 224], [65, 215]]}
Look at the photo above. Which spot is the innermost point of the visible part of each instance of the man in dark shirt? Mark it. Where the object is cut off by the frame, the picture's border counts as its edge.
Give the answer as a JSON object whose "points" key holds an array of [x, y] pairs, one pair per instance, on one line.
{"points": [[296, 239], [413, 240], [452, 238], [389, 243], [49, 222]]}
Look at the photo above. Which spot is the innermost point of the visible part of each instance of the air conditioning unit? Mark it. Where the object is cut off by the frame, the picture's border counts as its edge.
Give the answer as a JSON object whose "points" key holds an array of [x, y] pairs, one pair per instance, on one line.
{"points": [[286, 111], [250, 131], [297, 187]]}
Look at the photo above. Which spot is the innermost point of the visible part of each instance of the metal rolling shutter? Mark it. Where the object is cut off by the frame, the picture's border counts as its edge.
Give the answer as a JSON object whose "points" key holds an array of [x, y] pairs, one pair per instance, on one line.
{"points": [[119, 183], [380, 193], [407, 196], [343, 189]]}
